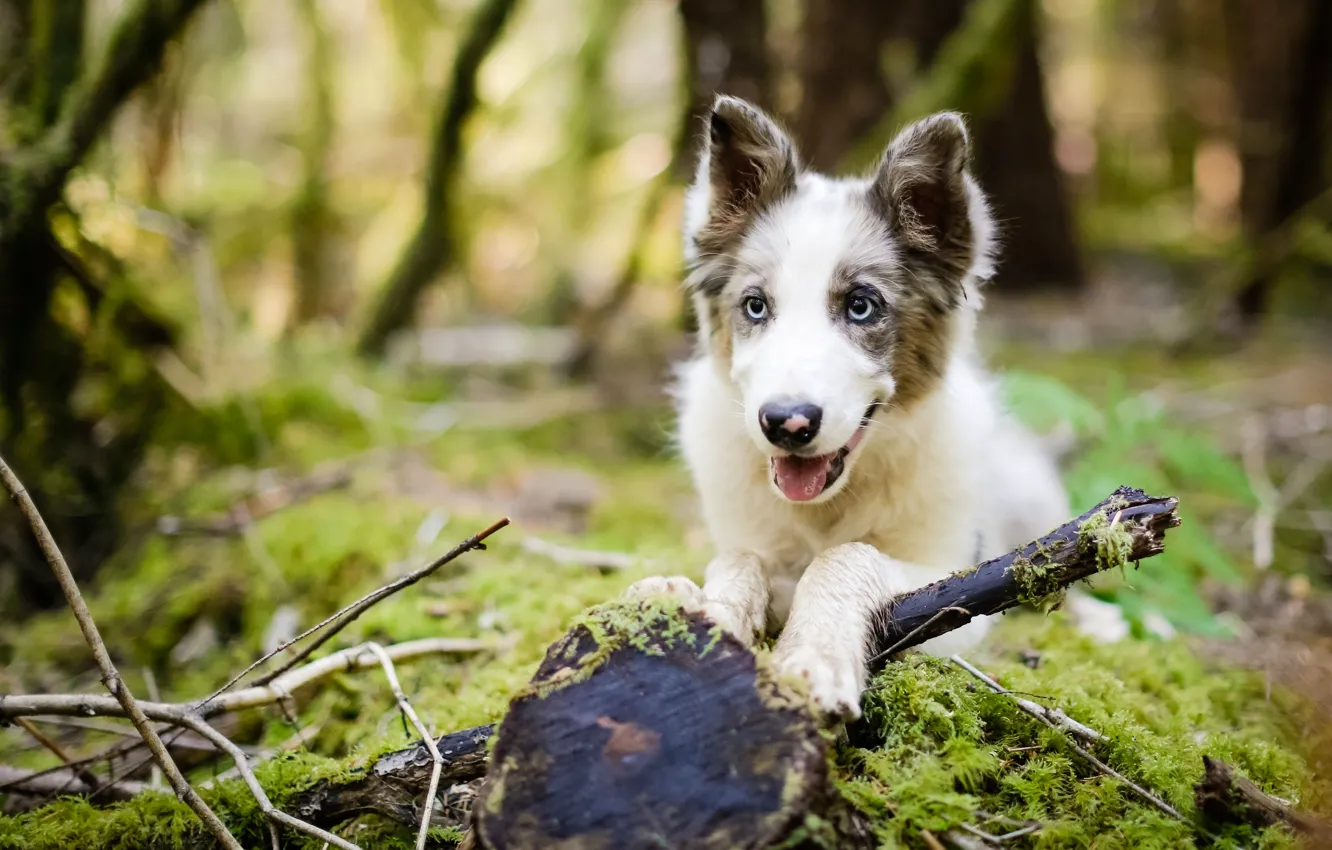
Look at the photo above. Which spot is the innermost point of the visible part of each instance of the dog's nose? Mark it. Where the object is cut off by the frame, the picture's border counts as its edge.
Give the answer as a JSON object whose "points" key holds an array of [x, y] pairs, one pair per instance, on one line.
{"points": [[790, 425]]}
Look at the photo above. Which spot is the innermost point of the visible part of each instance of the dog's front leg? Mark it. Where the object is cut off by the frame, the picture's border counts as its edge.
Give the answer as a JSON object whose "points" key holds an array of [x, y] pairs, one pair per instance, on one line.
{"points": [[830, 629], [734, 593]]}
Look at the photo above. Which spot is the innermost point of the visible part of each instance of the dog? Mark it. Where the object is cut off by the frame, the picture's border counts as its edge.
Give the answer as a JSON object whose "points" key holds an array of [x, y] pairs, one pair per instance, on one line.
{"points": [[846, 443]]}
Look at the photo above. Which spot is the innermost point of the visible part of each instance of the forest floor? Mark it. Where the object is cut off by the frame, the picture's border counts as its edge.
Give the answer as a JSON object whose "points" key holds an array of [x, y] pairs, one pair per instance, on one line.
{"points": [[1225, 659]]}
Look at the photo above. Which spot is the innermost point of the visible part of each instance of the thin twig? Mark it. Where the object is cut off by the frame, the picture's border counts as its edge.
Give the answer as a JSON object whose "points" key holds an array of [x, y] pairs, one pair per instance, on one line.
{"points": [[906, 639], [1065, 724], [110, 675], [197, 724], [295, 742], [87, 777], [354, 658], [345, 616], [1050, 716], [61, 781], [150, 685], [1269, 500], [429, 740]]}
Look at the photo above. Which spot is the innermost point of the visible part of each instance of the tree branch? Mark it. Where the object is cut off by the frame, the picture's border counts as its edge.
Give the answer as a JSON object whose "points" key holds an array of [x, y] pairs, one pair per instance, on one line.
{"points": [[110, 675], [133, 56], [281, 688], [1224, 796], [1124, 528]]}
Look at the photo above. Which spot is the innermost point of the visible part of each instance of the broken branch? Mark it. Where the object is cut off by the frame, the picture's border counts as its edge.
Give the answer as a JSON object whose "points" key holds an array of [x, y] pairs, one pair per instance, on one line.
{"points": [[344, 617], [1224, 796], [1126, 527], [1072, 728], [110, 675], [355, 658]]}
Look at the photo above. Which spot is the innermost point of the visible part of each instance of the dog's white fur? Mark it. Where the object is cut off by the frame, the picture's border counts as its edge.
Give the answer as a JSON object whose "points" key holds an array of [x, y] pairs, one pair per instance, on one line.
{"points": [[928, 489]]}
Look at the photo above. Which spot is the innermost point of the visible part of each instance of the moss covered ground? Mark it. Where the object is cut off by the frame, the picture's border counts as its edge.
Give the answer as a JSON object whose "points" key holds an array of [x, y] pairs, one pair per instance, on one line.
{"points": [[934, 748]]}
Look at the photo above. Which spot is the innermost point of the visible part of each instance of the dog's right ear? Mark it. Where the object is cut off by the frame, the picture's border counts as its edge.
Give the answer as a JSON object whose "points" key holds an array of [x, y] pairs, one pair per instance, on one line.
{"points": [[747, 164]]}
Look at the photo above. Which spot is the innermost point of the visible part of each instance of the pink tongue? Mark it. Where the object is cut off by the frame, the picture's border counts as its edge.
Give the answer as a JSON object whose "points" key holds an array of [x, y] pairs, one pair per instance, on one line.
{"points": [[802, 478]]}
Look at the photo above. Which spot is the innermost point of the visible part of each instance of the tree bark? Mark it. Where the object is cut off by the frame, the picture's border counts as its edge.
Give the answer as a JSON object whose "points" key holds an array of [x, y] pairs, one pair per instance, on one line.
{"points": [[642, 724], [1281, 67], [843, 91], [1224, 796], [1015, 164], [431, 247], [57, 117], [726, 52], [992, 73]]}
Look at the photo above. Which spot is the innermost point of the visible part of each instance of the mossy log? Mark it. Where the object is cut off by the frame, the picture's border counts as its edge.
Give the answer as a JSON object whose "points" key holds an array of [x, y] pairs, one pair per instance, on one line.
{"points": [[643, 721], [646, 727]]}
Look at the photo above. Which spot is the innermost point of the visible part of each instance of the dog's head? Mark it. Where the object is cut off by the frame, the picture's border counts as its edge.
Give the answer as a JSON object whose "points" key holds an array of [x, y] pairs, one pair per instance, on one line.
{"points": [[825, 299]]}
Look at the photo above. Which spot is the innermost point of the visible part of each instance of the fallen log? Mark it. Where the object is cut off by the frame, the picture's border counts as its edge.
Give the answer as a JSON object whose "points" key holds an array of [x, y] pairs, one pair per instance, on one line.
{"points": [[646, 727], [643, 721]]}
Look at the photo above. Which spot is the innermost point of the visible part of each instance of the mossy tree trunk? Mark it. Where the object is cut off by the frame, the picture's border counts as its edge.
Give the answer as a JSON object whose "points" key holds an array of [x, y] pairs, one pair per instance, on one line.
{"points": [[75, 465], [645, 723], [722, 757]]}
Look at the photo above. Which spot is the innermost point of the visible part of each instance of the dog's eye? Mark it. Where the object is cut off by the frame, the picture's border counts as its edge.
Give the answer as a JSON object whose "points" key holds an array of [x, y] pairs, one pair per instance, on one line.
{"points": [[859, 308], [756, 308]]}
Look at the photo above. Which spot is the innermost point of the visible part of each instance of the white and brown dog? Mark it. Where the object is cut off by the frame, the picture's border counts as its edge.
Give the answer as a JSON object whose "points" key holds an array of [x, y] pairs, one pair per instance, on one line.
{"points": [[843, 436]]}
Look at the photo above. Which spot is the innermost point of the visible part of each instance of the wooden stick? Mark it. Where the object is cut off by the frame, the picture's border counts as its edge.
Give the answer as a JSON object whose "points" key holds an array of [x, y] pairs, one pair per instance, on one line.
{"points": [[344, 617], [1128, 518], [437, 761], [354, 658], [1067, 725], [110, 675], [1224, 796]]}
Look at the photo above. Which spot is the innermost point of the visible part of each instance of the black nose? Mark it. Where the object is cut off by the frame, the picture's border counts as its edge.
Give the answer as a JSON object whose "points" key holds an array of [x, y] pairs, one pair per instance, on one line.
{"points": [[790, 425]]}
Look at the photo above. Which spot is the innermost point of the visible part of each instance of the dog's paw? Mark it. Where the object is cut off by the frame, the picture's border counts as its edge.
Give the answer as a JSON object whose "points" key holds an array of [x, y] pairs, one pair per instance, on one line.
{"points": [[727, 618], [683, 589], [833, 679]]}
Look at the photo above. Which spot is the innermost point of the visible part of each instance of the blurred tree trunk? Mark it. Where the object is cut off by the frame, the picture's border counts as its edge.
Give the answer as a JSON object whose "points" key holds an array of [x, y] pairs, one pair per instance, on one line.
{"points": [[1281, 67], [1015, 164], [846, 96], [726, 52], [431, 247], [319, 291]]}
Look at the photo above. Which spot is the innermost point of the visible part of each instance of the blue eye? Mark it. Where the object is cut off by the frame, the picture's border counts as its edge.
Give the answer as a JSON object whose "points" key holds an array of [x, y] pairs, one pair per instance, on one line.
{"points": [[860, 308], [756, 308]]}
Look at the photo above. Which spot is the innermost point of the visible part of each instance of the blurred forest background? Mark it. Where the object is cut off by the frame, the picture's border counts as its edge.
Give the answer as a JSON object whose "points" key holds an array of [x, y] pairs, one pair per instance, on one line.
{"points": [[286, 288]]}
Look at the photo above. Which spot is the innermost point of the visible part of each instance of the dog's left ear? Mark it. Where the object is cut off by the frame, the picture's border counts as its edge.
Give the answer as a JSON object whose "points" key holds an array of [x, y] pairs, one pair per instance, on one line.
{"points": [[921, 186]]}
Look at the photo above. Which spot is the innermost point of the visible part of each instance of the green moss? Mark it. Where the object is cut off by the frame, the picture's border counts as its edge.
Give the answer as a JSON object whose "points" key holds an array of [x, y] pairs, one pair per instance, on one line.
{"points": [[938, 746], [1039, 585], [1112, 542], [935, 748], [650, 626]]}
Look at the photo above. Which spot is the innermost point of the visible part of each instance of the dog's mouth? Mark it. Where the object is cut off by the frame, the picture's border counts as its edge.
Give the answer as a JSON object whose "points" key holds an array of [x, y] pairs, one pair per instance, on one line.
{"points": [[802, 479]]}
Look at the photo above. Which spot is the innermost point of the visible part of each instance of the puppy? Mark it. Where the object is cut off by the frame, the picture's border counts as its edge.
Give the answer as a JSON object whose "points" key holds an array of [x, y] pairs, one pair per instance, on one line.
{"points": [[844, 438]]}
